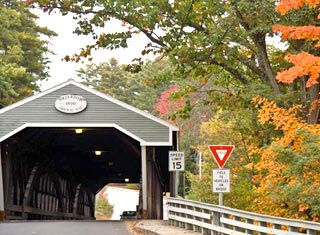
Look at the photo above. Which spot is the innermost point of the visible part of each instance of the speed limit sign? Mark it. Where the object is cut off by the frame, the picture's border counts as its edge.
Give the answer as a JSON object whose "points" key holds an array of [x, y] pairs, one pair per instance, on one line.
{"points": [[176, 161]]}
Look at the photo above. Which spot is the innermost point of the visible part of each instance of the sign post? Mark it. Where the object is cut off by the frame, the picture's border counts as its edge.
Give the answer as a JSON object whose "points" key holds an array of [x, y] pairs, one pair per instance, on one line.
{"points": [[176, 164], [221, 177]]}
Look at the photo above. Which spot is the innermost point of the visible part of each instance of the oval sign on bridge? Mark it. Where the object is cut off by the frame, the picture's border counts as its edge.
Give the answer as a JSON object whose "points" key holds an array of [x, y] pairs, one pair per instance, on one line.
{"points": [[70, 104]]}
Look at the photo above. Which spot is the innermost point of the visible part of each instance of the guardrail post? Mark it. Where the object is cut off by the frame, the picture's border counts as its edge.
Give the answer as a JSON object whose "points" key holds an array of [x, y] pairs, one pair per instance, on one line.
{"points": [[237, 218], [215, 221], [181, 223], [249, 221], [202, 230], [194, 227]]}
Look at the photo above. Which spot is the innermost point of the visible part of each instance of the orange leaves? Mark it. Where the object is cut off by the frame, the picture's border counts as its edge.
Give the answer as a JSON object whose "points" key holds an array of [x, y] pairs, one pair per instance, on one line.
{"points": [[304, 64], [287, 5], [283, 119], [309, 32]]}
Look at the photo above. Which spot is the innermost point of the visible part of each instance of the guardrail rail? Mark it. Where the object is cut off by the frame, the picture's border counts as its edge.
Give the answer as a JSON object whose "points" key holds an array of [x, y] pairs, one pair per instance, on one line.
{"points": [[219, 220]]}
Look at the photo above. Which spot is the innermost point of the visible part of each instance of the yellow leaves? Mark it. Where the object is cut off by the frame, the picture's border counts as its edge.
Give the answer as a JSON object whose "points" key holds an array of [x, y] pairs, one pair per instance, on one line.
{"points": [[287, 173], [284, 120], [281, 118]]}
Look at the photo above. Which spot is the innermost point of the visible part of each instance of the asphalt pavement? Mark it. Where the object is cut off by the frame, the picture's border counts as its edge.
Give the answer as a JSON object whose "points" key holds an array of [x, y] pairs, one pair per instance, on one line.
{"points": [[140, 227], [64, 228]]}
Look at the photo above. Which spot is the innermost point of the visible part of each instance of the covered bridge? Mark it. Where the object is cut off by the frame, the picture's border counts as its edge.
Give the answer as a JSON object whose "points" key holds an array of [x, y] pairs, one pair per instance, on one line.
{"points": [[60, 147]]}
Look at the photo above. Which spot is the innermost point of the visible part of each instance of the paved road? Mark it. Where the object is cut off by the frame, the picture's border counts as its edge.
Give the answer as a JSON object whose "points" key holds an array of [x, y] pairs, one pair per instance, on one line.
{"points": [[126, 200], [64, 228], [122, 200]]}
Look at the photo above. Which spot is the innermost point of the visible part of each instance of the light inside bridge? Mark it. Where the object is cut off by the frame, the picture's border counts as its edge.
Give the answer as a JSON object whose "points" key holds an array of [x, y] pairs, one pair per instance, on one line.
{"points": [[78, 131]]}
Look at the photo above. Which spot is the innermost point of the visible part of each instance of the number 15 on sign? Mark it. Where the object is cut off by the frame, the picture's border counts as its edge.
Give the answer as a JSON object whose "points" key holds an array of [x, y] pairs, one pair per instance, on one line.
{"points": [[176, 161]]}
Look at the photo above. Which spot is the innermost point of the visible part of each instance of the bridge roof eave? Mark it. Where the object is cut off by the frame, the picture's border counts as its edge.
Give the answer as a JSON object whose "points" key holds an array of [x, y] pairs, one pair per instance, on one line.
{"points": [[86, 125]]}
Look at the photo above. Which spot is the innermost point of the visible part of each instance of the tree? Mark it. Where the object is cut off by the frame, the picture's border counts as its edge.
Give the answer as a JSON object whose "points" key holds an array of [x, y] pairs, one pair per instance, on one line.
{"points": [[22, 52], [109, 78], [306, 63], [197, 36], [287, 174], [133, 88], [236, 126]]}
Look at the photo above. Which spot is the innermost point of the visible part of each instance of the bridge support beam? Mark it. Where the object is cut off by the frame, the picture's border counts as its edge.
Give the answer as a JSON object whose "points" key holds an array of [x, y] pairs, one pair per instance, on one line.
{"points": [[152, 185], [144, 181], [1, 190]]}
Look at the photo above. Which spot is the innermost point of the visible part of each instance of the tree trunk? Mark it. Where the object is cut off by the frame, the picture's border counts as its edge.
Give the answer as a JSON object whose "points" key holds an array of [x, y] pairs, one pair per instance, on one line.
{"points": [[265, 63], [313, 93]]}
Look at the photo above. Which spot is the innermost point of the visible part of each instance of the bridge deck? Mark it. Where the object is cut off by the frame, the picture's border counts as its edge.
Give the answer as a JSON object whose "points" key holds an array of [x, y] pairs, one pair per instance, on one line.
{"points": [[161, 227]]}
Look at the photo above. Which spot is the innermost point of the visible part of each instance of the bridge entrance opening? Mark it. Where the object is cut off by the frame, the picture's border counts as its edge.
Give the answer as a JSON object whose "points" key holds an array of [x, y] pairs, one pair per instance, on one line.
{"points": [[116, 200], [55, 173], [54, 162]]}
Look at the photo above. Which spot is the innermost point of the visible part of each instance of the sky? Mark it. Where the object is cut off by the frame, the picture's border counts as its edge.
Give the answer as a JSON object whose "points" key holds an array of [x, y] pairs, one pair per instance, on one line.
{"points": [[67, 43]]}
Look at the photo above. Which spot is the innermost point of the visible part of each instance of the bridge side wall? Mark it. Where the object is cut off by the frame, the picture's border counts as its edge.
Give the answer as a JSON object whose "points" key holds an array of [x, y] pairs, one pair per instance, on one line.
{"points": [[1, 189], [155, 186], [31, 191]]}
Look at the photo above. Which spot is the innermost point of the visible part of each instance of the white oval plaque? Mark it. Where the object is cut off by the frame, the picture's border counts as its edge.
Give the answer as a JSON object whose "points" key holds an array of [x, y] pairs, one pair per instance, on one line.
{"points": [[70, 103]]}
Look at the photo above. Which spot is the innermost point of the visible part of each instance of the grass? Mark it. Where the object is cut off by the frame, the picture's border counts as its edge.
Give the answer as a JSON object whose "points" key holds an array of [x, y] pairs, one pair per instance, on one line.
{"points": [[103, 209]]}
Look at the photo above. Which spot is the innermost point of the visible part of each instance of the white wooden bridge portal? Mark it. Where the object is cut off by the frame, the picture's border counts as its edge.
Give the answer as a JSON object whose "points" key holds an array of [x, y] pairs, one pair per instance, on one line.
{"points": [[48, 171]]}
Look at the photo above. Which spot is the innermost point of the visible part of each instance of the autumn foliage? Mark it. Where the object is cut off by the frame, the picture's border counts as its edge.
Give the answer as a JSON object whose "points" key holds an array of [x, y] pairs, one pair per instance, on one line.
{"points": [[304, 64], [287, 5], [288, 171], [288, 180], [166, 105]]}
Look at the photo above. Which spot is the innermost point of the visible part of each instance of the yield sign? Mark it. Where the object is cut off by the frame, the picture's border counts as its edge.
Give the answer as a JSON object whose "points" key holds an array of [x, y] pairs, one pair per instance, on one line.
{"points": [[221, 153]]}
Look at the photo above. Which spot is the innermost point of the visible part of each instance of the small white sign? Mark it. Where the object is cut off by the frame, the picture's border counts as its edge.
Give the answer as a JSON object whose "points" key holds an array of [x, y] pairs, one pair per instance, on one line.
{"points": [[70, 103], [176, 161], [221, 180]]}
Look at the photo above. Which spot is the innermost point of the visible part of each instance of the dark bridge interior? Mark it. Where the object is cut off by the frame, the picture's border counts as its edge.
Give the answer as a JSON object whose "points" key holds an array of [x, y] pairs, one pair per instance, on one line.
{"points": [[61, 169], [73, 156]]}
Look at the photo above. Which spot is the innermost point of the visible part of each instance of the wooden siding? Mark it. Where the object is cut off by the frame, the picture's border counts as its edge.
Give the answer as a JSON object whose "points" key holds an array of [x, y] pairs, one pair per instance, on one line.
{"points": [[98, 111]]}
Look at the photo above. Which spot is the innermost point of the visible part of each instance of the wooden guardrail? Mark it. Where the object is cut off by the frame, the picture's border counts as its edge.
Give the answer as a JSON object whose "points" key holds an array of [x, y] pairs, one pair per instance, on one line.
{"points": [[219, 220]]}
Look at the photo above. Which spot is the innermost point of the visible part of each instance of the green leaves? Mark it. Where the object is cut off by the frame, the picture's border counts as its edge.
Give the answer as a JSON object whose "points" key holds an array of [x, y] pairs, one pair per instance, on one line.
{"points": [[22, 53], [133, 88]]}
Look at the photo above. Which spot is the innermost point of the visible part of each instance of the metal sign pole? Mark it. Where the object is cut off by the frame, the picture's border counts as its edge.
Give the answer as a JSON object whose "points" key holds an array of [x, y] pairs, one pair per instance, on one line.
{"points": [[220, 199]]}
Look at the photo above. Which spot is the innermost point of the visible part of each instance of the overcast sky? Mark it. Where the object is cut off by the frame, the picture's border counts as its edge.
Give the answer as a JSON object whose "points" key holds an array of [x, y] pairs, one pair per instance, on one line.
{"points": [[68, 43]]}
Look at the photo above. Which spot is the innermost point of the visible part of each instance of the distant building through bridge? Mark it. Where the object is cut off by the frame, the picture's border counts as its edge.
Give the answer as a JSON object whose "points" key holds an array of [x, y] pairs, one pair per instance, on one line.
{"points": [[61, 146]]}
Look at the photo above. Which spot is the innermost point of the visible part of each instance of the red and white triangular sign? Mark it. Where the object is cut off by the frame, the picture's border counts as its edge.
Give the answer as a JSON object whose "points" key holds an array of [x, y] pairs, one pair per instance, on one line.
{"points": [[221, 153]]}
